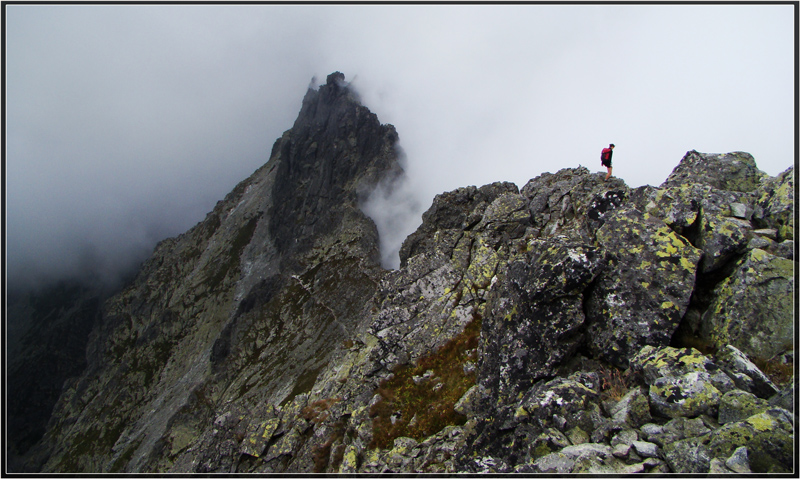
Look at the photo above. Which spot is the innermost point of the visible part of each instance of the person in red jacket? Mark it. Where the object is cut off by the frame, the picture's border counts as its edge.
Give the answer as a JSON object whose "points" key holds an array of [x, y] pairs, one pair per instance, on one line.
{"points": [[605, 158]]}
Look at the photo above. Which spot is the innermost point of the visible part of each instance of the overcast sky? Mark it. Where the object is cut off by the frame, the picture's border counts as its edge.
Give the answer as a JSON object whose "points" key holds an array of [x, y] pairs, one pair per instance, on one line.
{"points": [[125, 124]]}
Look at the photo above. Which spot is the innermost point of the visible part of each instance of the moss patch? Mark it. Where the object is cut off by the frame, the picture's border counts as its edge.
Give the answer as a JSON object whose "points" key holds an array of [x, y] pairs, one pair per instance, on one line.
{"points": [[429, 403], [778, 372]]}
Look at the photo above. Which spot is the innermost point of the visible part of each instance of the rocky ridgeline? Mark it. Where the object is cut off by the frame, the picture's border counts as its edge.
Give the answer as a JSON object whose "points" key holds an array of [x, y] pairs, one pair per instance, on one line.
{"points": [[589, 295], [574, 325]]}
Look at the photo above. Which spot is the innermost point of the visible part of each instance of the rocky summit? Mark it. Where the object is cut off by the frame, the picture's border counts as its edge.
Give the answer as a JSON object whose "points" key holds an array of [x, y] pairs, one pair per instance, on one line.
{"points": [[573, 325]]}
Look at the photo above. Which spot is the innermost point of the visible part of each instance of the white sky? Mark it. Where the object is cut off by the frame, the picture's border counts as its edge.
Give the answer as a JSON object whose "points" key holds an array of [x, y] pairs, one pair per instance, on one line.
{"points": [[126, 123]]}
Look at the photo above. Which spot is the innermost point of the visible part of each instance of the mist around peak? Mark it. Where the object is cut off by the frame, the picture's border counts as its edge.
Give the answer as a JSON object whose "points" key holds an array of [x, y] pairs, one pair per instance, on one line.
{"points": [[127, 123], [396, 209]]}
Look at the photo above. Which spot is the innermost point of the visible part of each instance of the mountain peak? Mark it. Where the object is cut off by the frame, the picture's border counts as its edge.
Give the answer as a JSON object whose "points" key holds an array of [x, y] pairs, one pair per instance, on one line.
{"points": [[336, 78], [335, 154]]}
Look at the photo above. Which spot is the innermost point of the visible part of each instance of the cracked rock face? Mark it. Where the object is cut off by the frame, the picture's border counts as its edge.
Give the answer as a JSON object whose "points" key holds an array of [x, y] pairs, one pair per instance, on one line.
{"points": [[645, 288], [268, 339], [535, 316]]}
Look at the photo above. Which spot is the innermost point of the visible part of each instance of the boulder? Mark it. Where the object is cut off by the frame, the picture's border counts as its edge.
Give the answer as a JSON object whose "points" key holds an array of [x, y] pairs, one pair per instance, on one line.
{"points": [[633, 409], [601, 206], [470, 403], [722, 238], [645, 449], [678, 206], [626, 437], [587, 450], [526, 342], [349, 463], [258, 435], [688, 456], [666, 361], [674, 430], [436, 453], [592, 458], [534, 314], [768, 436], [738, 405], [739, 462], [769, 233], [744, 373], [739, 316], [739, 210], [645, 288], [689, 395], [784, 398], [459, 210], [713, 220], [555, 463], [735, 171], [572, 201], [536, 424], [508, 214], [601, 465], [717, 467], [564, 403], [555, 268], [576, 435], [784, 249], [774, 205], [683, 382], [549, 441]]}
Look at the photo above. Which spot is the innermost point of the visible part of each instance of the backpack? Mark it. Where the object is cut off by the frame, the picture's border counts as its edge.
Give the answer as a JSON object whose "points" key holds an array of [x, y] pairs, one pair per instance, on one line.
{"points": [[606, 153]]}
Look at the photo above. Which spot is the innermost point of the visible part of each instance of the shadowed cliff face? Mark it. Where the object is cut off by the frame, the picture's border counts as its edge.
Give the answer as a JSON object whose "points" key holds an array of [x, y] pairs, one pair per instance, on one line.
{"points": [[332, 159], [245, 306], [542, 329], [46, 337]]}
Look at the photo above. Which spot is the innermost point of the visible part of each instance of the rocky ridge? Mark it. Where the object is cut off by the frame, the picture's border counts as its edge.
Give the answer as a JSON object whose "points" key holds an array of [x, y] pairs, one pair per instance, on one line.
{"points": [[573, 325]]}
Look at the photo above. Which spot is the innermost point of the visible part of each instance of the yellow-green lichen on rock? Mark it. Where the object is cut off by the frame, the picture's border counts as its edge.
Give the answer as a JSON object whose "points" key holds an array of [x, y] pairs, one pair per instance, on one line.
{"points": [[654, 361], [683, 382], [775, 205], [740, 316], [258, 435], [736, 171], [722, 238], [349, 463], [623, 314], [768, 436], [689, 395]]}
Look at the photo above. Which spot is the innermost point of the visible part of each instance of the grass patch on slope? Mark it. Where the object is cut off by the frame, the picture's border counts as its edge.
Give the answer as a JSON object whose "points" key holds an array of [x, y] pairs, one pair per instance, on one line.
{"points": [[421, 408]]}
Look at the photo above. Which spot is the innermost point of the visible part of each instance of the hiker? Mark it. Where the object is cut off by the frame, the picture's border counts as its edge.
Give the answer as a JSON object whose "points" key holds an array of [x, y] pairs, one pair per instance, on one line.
{"points": [[605, 158]]}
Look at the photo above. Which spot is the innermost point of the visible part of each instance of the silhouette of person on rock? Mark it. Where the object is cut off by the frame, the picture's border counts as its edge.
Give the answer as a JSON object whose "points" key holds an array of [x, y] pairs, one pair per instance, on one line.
{"points": [[605, 158]]}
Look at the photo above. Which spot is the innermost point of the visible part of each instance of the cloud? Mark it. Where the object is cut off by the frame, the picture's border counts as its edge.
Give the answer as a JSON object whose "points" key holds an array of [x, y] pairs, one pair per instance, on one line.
{"points": [[396, 209], [126, 123]]}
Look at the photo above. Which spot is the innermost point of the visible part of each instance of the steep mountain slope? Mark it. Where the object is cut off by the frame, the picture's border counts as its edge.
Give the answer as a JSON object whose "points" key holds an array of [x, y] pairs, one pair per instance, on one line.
{"points": [[47, 332], [541, 329], [246, 305]]}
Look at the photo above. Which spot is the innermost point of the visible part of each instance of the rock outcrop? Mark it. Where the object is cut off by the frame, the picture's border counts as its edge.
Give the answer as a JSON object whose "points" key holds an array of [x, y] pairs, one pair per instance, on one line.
{"points": [[574, 325]]}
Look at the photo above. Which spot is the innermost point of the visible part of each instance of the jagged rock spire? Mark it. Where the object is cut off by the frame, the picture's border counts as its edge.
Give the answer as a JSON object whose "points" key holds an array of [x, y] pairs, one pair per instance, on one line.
{"points": [[336, 153]]}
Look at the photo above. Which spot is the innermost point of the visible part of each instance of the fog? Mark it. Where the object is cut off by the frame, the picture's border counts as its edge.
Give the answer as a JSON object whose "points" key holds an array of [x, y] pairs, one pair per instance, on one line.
{"points": [[126, 123]]}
